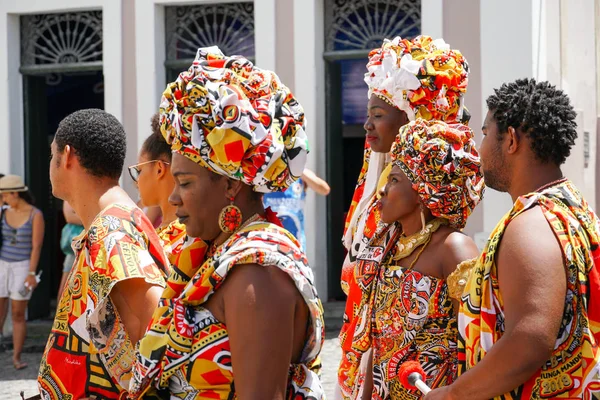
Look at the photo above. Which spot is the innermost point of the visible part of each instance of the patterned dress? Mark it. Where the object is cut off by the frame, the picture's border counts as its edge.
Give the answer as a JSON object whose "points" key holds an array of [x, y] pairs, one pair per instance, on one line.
{"points": [[573, 369], [186, 352], [89, 352], [359, 231], [402, 316], [414, 321], [175, 240]]}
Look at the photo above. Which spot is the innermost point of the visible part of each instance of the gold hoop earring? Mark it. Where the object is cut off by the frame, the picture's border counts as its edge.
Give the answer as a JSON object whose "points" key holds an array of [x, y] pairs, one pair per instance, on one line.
{"points": [[230, 218]]}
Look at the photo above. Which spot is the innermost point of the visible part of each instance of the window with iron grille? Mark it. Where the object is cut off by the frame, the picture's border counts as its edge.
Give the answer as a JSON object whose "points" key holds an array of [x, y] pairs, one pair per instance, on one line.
{"points": [[61, 42], [230, 26], [361, 25]]}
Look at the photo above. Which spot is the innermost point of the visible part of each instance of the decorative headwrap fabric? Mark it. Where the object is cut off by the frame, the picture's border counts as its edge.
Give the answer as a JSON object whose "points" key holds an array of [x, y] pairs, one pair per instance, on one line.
{"points": [[422, 77], [444, 167], [425, 79], [237, 120]]}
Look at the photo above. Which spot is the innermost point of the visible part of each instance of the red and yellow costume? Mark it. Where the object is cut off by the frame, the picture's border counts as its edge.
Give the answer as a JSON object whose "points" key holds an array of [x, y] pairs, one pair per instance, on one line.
{"points": [[89, 353]]}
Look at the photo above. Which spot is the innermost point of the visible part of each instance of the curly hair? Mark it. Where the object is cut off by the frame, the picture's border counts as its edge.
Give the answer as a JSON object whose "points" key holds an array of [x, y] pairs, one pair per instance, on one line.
{"points": [[540, 110], [155, 145], [98, 140]]}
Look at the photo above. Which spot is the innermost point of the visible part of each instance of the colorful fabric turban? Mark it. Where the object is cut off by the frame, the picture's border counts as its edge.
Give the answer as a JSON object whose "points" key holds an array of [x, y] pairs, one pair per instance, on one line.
{"points": [[237, 120], [422, 77], [443, 165]]}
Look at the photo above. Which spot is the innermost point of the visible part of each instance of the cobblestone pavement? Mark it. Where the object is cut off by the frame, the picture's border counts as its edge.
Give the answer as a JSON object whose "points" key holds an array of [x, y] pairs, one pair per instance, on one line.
{"points": [[12, 382]]}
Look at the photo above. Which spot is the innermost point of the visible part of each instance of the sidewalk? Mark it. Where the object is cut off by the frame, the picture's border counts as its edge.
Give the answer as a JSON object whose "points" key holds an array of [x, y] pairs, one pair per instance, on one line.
{"points": [[13, 381], [37, 335]]}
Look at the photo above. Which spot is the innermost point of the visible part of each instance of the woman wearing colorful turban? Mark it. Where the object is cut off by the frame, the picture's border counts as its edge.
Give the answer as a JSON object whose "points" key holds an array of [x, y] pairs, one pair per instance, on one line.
{"points": [[414, 269], [246, 322], [407, 79]]}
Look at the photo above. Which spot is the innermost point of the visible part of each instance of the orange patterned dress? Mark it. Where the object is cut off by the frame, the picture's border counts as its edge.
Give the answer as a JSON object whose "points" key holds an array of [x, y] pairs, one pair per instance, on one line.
{"points": [[89, 353], [413, 321], [403, 315], [362, 222], [573, 370]]}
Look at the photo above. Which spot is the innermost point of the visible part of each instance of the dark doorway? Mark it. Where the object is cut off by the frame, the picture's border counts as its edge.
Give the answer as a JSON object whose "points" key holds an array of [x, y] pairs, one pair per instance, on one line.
{"points": [[346, 115], [48, 98]]}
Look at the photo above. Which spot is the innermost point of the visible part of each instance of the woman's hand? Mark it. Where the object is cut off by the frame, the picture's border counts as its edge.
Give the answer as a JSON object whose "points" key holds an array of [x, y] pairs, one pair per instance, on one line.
{"points": [[31, 282]]}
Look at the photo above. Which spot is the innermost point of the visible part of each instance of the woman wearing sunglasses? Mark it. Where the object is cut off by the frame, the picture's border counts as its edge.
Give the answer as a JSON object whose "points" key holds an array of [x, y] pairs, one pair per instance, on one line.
{"points": [[152, 174]]}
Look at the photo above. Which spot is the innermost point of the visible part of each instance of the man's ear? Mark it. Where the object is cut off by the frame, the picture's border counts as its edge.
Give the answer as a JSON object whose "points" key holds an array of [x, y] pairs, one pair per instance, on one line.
{"points": [[514, 140], [68, 156]]}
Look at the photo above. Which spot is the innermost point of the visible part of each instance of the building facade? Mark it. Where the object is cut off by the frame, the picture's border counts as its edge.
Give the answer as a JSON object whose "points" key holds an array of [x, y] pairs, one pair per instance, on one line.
{"points": [[57, 56]]}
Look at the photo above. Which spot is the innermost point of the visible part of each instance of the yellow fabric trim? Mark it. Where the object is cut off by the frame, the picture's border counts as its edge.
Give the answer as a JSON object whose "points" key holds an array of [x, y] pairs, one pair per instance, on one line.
{"points": [[457, 280]]}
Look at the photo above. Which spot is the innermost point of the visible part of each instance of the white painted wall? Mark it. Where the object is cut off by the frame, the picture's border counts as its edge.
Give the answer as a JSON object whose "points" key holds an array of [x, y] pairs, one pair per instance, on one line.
{"points": [[149, 59], [11, 96], [578, 55], [506, 55], [11, 90], [310, 92], [432, 18], [265, 33]]}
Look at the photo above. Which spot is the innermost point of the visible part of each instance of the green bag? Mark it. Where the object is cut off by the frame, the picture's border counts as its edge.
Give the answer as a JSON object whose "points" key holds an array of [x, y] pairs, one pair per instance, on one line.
{"points": [[69, 231]]}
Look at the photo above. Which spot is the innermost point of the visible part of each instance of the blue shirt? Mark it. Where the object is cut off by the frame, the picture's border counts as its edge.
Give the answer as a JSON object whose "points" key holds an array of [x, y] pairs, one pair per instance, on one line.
{"points": [[17, 242]]}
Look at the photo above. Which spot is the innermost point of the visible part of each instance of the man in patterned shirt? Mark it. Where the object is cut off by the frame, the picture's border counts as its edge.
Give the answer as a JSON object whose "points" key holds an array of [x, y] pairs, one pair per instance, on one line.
{"points": [[529, 320], [118, 275]]}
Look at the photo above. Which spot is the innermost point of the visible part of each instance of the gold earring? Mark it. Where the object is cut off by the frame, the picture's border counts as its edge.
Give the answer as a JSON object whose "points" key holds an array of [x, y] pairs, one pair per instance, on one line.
{"points": [[230, 218], [423, 225]]}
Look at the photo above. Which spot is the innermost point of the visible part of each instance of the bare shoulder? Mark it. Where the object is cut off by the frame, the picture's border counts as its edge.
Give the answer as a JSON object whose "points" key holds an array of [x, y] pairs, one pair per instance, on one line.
{"points": [[529, 235], [529, 243], [455, 247], [270, 280], [38, 217]]}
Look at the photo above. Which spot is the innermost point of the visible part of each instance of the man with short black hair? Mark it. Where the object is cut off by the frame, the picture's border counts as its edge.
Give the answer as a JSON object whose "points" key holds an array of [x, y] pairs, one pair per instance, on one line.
{"points": [[118, 274], [529, 321]]}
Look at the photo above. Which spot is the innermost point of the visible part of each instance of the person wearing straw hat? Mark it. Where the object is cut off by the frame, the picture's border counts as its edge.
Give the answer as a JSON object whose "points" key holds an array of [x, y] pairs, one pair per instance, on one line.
{"points": [[22, 228]]}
